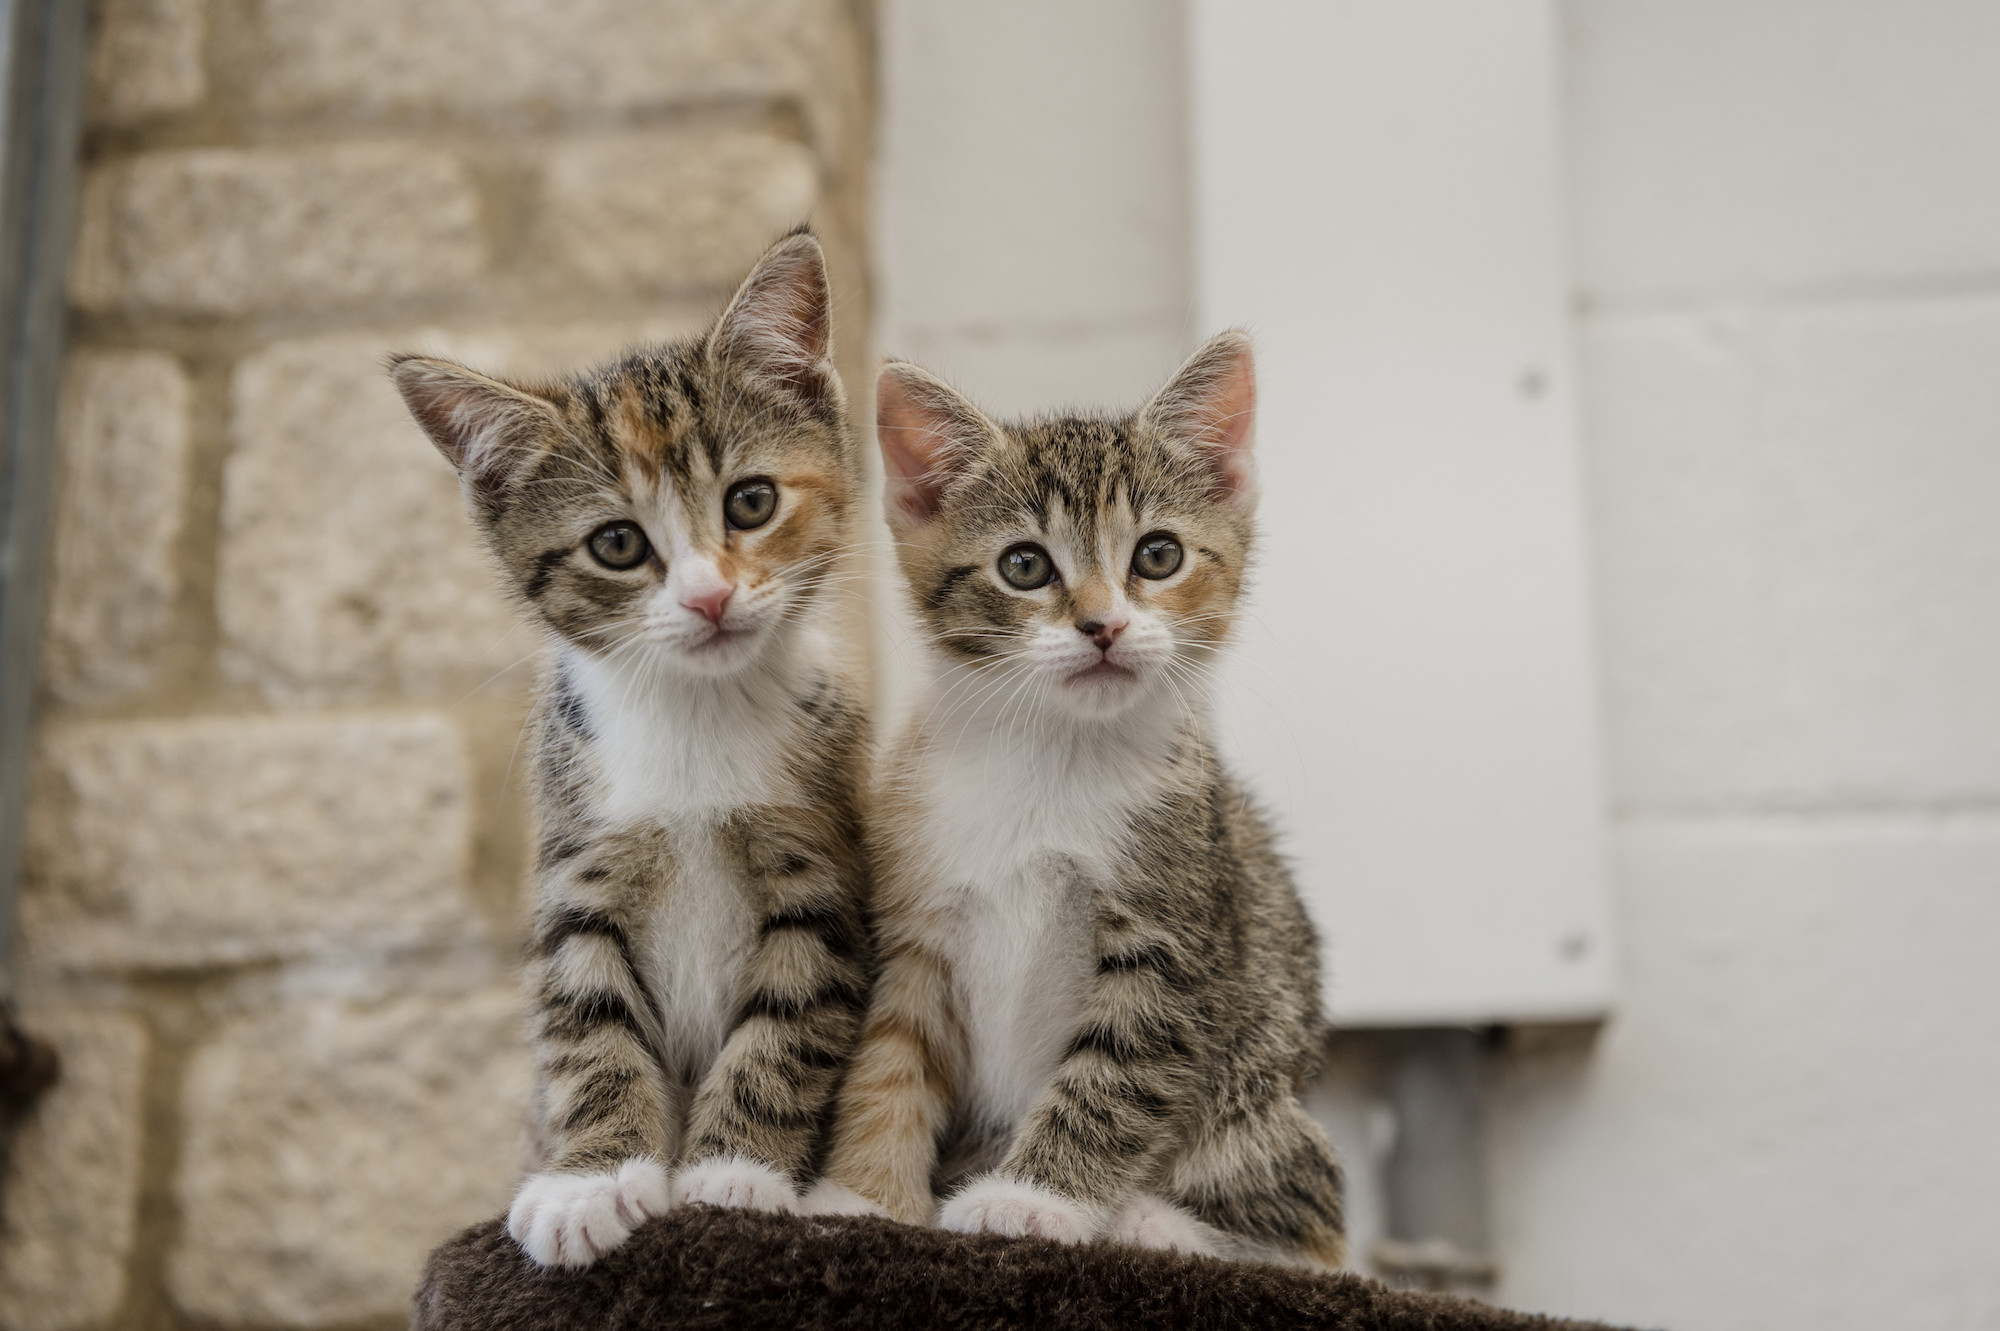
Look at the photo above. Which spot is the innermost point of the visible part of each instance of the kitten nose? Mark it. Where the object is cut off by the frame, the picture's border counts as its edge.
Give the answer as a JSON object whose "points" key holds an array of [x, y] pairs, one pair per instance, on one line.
{"points": [[1101, 632], [709, 601]]}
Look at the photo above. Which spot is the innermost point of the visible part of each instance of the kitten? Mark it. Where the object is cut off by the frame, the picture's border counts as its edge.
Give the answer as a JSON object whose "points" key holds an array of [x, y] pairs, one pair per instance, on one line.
{"points": [[1099, 992], [674, 523]]}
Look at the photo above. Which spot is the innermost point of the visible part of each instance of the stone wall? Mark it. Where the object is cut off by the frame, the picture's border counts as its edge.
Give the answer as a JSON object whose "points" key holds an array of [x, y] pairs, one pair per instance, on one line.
{"points": [[274, 890]]}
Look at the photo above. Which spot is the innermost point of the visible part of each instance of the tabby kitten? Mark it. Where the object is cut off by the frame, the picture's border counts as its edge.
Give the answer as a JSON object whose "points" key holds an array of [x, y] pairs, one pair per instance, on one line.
{"points": [[700, 955], [1099, 992]]}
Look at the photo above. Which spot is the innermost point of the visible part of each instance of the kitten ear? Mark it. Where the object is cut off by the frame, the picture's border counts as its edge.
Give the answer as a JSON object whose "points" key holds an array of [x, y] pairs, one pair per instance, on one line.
{"points": [[484, 428], [779, 324], [1211, 405], [928, 434]]}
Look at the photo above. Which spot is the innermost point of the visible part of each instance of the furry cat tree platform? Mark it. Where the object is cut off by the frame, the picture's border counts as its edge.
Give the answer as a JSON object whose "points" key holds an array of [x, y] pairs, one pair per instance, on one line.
{"points": [[702, 1267]]}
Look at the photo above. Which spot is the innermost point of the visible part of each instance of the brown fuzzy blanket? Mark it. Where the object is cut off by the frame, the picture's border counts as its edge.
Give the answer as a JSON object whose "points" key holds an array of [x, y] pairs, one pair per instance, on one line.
{"points": [[701, 1267]]}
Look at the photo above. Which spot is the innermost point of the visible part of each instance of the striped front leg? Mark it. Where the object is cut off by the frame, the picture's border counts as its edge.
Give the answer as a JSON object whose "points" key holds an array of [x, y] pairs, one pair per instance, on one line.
{"points": [[898, 1095], [1119, 1098], [608, 1109], [757, 1116]]}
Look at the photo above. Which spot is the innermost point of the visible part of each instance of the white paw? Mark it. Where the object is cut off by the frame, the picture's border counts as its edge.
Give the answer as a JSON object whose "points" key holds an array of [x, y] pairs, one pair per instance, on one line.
{"points": [[1154, 1222], [995, 1205], [574, 1219], [735, 1181], [829, 1198]]}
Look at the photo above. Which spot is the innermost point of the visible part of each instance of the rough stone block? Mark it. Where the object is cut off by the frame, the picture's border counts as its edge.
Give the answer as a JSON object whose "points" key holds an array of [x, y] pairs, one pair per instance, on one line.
{"points": [[553, 350], [331, 1144], [222, 231], [385, 57], [672, 211], [201, 842], [1799, 566], [348, 566], [1716, 145], [146, 59], [74, 1178], [113, 577]]}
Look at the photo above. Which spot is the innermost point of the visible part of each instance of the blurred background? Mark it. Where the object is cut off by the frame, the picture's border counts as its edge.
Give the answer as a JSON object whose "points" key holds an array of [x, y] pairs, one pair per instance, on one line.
{"points": [[1625, 663]]}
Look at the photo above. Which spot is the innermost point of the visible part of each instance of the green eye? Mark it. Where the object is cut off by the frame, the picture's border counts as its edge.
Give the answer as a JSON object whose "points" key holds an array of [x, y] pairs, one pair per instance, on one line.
{"points": [[750, 503], [1027, 567], [1158, 556], [619, 545]]}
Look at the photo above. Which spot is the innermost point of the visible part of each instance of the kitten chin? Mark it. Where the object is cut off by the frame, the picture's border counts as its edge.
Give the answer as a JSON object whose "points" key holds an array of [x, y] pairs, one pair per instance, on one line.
{"points": [[1100, 693], [710, 651]]}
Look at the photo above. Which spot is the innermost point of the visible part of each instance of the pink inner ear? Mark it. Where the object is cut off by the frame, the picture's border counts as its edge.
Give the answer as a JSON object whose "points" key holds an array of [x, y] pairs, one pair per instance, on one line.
{"points": [[915, 442], [1232, 418], [789, 313], [1211, 405], [479, 425], [779, 321]]}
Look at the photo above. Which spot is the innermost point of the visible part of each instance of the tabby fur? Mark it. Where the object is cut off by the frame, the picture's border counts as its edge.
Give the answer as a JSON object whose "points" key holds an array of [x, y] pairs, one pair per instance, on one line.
{"points": [[1099, 992], [700, 955]]}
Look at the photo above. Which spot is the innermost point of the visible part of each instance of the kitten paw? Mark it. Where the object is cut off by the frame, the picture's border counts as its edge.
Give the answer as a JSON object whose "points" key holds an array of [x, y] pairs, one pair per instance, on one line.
{"points": [[574, 1219], [995, 1205], [735, 1181], [829, 1198], [1154, 1222]]}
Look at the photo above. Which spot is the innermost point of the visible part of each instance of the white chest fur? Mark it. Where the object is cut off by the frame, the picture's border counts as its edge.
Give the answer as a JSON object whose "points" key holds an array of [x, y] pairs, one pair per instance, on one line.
{"points": [[697, 952], [683, 747], [1022, 830], [680, 755], [1020, 954]]}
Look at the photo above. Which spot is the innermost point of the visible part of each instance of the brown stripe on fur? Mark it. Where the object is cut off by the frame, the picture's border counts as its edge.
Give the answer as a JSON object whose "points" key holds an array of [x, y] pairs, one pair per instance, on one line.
{"points": [[898, 1094]]}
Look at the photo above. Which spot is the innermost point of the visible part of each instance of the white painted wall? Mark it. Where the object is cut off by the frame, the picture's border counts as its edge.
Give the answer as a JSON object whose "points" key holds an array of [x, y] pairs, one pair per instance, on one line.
{"points": [[1031, 214], [1377, 197], [1787, 223]]}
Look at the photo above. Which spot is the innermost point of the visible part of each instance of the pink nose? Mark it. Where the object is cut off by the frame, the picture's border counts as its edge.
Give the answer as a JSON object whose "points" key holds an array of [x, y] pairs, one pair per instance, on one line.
{"points": [[709, 602], [1101, 632]]}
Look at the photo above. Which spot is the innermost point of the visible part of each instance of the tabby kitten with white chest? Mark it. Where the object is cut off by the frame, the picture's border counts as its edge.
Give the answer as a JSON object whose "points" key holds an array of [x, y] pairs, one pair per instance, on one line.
{"points": [[1099, 993], [674, 522]]}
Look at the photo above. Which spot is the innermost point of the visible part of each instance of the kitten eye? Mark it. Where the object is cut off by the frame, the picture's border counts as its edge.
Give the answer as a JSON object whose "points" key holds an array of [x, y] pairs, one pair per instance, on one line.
{"points": [[1158, 556], [750, 503], [1027, 567], [619, 545]]}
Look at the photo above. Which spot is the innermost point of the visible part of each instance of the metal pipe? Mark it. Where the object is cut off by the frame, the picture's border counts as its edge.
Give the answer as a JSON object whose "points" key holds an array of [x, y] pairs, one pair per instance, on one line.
{"points": [[43, 64], [1435, 1178]]}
